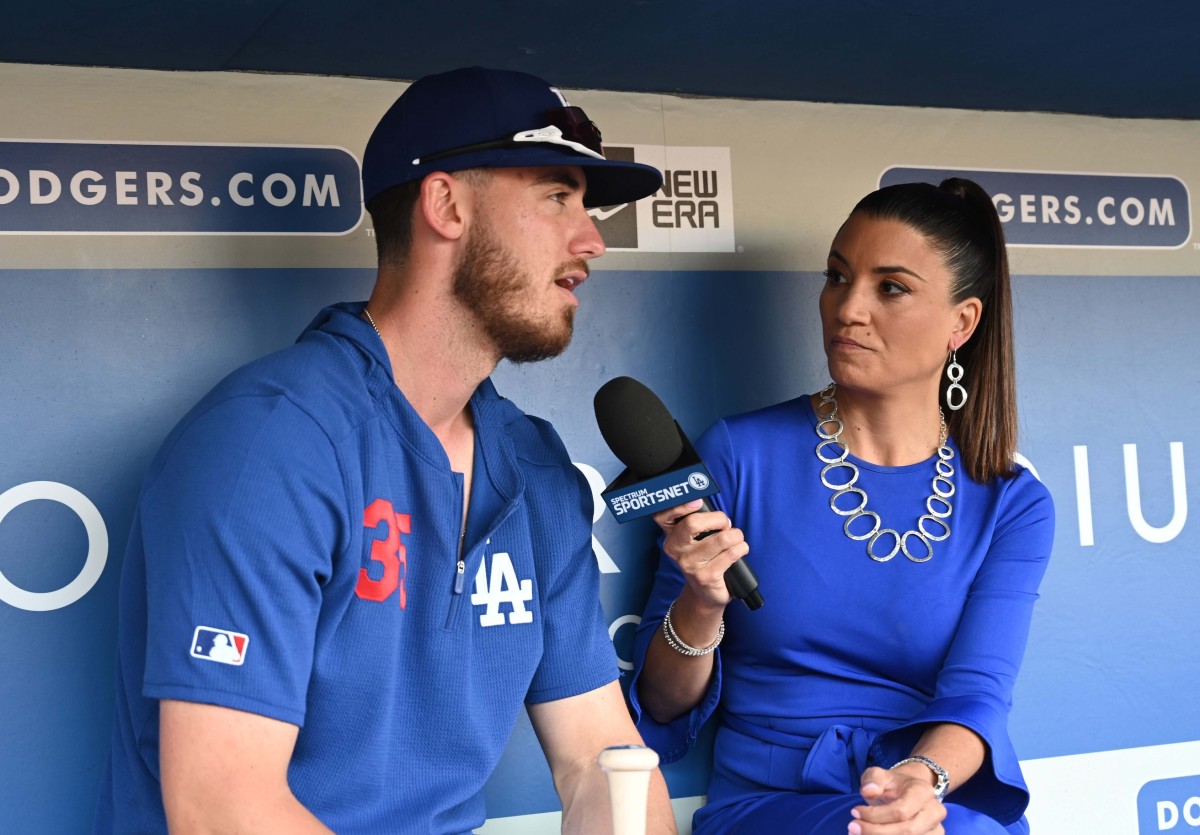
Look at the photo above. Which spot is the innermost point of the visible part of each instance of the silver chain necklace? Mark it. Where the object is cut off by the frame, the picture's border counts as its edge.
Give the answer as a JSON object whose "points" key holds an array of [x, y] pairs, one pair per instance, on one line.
{"points": [[942, 486], [367, 313]]}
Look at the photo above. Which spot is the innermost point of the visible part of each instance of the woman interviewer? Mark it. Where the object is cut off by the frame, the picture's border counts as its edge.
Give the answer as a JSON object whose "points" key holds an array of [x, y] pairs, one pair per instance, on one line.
{"points": [[899, 547]]}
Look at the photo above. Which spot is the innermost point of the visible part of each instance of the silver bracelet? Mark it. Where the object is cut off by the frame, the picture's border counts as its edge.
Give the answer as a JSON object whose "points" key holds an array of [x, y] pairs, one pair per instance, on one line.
{"points": [[682, 647]]}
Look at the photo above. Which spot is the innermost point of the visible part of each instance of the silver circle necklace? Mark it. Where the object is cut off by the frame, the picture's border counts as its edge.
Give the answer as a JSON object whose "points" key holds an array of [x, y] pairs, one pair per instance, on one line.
{"points": [[829, 429]]}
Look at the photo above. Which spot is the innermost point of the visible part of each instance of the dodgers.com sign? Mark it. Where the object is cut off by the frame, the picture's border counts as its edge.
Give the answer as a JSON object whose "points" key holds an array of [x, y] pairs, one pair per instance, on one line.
{"points": [[651, 495], [1055, 209], [1169, 806], [190, 189]]}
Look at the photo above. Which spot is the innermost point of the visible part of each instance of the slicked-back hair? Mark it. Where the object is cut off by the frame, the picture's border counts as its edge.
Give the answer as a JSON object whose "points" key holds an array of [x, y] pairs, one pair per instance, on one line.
{"points": [[959, 220]]}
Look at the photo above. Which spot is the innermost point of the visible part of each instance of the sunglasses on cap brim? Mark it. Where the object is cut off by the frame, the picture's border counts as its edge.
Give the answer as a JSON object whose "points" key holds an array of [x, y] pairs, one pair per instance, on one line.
{"points": [[568, 127]]}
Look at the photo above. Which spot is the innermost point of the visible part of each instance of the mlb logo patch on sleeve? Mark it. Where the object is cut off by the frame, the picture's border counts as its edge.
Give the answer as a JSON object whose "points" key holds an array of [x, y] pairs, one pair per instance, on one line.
{"points": [[219, 645]]}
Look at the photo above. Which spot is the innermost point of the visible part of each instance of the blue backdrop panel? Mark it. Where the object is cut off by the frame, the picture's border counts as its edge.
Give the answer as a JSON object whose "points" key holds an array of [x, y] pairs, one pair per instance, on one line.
{"points": [[99, 364]]}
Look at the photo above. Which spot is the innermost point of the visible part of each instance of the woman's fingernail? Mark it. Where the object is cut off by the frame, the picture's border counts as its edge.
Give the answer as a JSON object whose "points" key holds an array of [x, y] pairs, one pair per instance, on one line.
{"points": [[854, 828], [855, 814]]}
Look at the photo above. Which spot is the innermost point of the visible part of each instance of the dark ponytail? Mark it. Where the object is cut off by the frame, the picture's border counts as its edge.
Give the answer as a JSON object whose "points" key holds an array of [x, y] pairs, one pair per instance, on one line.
{"points": [[959, 219]]}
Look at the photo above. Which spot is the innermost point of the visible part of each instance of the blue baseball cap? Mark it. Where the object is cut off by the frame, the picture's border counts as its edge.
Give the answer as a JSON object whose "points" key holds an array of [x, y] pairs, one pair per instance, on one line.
{"points": [[482, 118]]}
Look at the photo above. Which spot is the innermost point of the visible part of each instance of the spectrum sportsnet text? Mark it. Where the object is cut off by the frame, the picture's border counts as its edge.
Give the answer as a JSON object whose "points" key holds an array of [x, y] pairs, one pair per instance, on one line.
{"points": [[149, 188]]}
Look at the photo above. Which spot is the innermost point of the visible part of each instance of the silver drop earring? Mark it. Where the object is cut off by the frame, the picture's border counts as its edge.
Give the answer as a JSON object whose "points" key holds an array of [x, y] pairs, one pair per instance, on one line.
{"points": [[956, 395]]}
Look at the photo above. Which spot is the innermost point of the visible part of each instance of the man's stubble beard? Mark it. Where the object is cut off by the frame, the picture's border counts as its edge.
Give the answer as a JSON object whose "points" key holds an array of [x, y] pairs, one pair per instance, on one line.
{"points": [[491, 284]]}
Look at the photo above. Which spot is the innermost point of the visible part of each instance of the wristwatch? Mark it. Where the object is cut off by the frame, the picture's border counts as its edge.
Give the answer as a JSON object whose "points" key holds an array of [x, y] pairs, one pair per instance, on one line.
{"points": [[943, 779]]}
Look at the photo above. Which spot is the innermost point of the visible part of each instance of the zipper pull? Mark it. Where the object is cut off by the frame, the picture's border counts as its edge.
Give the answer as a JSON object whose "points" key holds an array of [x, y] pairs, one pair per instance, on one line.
{"points": [[462, 565]]}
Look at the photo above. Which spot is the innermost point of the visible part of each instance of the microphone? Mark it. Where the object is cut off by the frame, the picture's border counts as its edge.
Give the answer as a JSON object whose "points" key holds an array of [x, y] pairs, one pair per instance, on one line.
{"points": [[628, 768], [663, 470]]}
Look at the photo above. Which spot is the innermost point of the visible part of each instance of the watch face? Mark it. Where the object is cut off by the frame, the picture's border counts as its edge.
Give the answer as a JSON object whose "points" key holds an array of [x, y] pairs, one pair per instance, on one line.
{"points": [[942, 779], [940, 789]]}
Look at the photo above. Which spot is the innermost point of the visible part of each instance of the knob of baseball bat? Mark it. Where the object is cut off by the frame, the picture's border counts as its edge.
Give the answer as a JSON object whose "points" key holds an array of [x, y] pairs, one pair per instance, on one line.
{"points": [[628, 770]]}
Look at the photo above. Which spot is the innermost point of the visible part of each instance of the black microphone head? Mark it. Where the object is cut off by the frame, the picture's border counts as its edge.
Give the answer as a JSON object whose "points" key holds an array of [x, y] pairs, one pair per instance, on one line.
{"points": [[637, 426]]}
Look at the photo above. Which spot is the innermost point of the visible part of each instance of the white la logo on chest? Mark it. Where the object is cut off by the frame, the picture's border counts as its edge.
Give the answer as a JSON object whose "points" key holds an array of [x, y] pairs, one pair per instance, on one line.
{"points": [[504, 587]]}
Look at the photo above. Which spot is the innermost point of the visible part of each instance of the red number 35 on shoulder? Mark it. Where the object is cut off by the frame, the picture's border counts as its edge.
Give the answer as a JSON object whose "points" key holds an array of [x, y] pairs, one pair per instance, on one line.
{"points": [[388, 552]]}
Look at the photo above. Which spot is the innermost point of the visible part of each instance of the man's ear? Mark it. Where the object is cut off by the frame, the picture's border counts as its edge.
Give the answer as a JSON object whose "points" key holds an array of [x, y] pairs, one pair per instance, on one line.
{"points": [[967, 314], [446, 204]]}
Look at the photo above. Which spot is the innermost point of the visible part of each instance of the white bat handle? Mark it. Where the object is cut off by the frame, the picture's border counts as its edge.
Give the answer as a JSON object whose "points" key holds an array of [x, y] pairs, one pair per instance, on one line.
{"points": [[628, 768]]}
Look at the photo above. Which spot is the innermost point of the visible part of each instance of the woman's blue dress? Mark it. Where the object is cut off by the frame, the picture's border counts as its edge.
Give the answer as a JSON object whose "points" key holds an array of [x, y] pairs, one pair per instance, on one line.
{"points": [[850, 659]]}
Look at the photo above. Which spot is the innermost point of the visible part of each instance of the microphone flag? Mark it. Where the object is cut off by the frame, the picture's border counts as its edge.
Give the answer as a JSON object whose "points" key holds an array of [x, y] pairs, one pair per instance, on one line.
{"points": [[631, 496]]}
